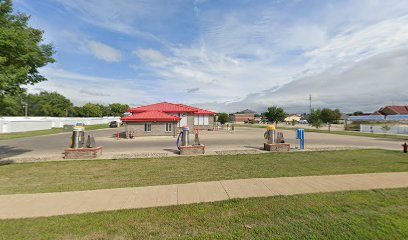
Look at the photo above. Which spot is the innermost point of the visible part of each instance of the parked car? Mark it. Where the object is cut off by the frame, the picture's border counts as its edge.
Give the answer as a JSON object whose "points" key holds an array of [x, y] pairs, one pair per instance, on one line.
{"points": [[114, 124], [303, 122]]}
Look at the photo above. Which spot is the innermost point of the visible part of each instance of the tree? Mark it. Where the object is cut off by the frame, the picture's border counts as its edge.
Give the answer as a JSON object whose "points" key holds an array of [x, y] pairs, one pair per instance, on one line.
{"points": [[50, 104], [90, 110], [358, 113], [117, 109], [11, 106], [275, 114], [223, 118], [314, 118], [21, 51], [330, 116], [105, 109]]}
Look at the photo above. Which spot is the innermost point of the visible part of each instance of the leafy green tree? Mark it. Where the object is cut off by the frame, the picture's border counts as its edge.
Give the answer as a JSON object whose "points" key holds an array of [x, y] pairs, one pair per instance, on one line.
{"points": [[11, 106], [50, 104], [90, 110], [105, 109], [357, 113], [21, 51], [118, 109], [330, 116], [314, 118], [275, 114], [223, 118]]}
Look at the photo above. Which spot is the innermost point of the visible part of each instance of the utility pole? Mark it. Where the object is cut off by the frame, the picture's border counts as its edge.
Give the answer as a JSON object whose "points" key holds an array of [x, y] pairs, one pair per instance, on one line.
{"points": [[310, 103], [25, 106]]}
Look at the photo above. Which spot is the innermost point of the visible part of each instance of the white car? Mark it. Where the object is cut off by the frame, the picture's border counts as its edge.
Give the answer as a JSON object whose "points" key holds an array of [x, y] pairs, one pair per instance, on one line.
{"points": [[303, 122]]}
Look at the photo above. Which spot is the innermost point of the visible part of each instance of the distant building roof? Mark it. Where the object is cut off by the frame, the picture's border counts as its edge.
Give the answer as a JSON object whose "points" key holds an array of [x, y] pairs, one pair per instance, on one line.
{"points": [[246, 111], [392, 110], [151, 116]]}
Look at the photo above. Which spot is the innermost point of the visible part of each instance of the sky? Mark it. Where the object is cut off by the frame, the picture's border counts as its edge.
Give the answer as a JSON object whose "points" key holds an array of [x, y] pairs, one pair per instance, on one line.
{"points": [[226, 55]]}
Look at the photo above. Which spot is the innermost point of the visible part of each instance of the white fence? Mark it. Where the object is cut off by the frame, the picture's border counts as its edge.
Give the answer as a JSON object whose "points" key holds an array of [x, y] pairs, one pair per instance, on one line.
{"points": [[396, 129], [23, 124]]}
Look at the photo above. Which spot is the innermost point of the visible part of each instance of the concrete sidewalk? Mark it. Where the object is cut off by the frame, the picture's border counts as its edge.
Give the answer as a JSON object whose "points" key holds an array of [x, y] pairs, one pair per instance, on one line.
{"points": [[60, 203]]}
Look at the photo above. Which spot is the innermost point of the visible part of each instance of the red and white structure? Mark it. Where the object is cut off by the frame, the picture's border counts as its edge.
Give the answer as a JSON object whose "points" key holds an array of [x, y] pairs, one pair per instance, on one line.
{"points": [[166, 118]]}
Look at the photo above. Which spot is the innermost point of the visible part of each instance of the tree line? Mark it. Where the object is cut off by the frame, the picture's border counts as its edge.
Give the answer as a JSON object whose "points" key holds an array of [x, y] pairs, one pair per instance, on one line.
{"points": [[54, 104], [275, 114]]}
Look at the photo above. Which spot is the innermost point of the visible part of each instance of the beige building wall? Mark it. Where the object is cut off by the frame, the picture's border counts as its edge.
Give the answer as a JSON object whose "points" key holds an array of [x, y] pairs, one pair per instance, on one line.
{"points": [[210, 125], [190, 123], [158, 129]]}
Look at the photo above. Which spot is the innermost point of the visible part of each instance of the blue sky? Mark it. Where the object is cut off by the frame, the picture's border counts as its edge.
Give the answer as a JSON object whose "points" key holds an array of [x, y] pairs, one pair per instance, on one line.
{"points": [[226, 55]]}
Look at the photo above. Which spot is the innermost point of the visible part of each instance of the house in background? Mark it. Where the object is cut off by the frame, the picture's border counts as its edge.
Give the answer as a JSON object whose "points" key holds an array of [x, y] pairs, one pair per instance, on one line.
{"points": [[392, 110], [290, 118], [165, 118], [243, 117]]}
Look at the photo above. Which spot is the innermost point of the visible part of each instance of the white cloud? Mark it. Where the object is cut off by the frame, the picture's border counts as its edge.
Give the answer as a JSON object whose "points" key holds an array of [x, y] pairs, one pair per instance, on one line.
{"points": [[81, 88], [150, 55], [254, 56], [362, 43], [125, 16], [303, 36], [104, 52], [79, 44], [234, 63], [366, 86]]}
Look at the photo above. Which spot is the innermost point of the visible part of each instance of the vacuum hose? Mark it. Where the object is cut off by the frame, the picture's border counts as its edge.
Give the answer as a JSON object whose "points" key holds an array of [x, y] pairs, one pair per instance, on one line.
{"points": [[178, 140]]}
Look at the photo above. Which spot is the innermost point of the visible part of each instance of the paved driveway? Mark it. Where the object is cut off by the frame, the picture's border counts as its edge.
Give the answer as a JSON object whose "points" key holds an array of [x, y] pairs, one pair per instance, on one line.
{"points": [[241, 139]]}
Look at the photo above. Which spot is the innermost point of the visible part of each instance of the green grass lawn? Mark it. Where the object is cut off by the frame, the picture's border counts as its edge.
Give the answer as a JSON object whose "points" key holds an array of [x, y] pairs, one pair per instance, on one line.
{"points": [[8, 136], [101, 174], [379, 214], [347, 133]]}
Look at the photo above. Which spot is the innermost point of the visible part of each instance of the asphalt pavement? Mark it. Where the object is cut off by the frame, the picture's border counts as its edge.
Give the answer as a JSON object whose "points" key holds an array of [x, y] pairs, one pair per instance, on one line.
{"points": [[242, 139]]}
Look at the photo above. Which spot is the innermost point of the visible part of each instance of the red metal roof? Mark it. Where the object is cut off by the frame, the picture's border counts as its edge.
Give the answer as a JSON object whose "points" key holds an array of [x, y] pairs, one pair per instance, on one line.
{"points": [[151, 116], [199, 110], [171, 108], [399, 109], [163, 107], [392, 110]]}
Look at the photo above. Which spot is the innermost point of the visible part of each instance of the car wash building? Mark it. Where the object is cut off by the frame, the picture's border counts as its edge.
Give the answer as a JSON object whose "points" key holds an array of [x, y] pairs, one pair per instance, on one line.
{"points": [[166, 119]]}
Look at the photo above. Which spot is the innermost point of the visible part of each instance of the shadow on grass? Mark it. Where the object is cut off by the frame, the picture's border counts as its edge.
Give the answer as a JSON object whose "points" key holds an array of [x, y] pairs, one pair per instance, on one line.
{"points": [[6, 162]]}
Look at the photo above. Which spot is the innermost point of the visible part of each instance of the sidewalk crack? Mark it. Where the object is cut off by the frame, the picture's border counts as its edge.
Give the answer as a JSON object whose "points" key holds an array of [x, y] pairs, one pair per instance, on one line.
{"points": [[260, 179], [178, 185], [225, 190]]}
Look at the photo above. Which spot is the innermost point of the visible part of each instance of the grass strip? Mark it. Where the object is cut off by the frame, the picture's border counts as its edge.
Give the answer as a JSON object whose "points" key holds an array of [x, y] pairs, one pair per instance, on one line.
{"points": [[102, 174], [379, 214]]}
